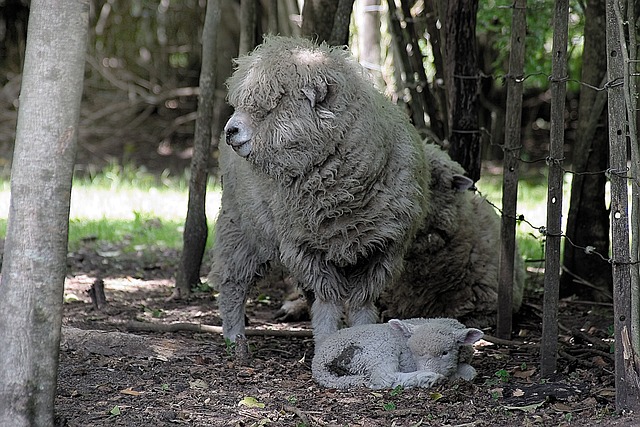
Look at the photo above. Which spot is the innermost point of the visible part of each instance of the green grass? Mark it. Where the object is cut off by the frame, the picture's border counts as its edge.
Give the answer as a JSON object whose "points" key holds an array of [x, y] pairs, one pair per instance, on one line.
{"points": [[133, 209], [126, 207], [532, 205]]}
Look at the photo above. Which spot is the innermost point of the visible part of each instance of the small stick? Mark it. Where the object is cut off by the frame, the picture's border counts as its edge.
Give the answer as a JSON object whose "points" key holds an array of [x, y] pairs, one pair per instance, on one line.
{"points": [[197, 327]]}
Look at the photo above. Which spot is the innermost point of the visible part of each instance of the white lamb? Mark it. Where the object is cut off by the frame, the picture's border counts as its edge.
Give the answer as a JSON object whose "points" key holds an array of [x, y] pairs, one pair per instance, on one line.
{"points": [[411, 353]]}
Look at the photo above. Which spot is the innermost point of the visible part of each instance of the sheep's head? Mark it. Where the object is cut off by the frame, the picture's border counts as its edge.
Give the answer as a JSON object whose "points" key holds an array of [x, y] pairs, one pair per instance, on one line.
{"points": [[290, 98], [435, 346]]}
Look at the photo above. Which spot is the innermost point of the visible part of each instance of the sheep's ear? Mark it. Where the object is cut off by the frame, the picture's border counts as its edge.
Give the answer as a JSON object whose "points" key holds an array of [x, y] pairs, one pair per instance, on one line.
{"points": [[315, 93], [406, 329], [461, 182], [470, 336]]}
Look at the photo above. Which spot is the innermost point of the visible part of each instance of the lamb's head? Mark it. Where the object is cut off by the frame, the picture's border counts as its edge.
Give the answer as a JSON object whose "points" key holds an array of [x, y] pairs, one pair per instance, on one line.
{"points": [[291, 100], [435, 345]]}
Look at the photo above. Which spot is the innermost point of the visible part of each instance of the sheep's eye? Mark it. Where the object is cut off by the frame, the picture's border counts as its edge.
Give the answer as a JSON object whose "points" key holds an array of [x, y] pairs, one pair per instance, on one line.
{"points": [[444, 353]]}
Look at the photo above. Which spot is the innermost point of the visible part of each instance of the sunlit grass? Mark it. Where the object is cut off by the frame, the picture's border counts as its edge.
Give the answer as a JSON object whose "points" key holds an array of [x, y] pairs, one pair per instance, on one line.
{"points": [[134, 209], [126, 207], [532, 205]]}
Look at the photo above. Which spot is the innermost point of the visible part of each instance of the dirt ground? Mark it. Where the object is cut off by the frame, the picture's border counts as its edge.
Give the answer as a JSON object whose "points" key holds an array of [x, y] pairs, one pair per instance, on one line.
{"points": [[111, 373]]}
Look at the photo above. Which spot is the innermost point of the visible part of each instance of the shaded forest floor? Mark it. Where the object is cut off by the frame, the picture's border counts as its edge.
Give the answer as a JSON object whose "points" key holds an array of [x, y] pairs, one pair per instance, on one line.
{"points": [[111, 374]]}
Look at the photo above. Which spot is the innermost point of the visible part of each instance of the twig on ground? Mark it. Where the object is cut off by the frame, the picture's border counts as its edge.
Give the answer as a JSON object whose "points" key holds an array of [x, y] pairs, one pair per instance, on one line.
{"points": [[303, 417], [197, 327], [500, 341]]}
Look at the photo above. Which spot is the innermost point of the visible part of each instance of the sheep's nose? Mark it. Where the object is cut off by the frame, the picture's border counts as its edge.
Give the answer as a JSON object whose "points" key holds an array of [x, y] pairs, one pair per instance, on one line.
{"points": [[230, 132]]}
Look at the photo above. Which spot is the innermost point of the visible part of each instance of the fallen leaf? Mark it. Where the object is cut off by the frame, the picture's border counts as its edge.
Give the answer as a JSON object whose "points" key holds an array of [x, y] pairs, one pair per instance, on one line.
{"points": [[251, 402], [115, 410], [435, 396], [561, 407], [524, 374], [198, 384], [131, 392], [376, 394], [518, 392]]}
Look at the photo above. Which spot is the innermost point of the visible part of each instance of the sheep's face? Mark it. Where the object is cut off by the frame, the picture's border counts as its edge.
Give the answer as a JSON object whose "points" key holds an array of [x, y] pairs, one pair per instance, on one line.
{"points": [[290, 100]]}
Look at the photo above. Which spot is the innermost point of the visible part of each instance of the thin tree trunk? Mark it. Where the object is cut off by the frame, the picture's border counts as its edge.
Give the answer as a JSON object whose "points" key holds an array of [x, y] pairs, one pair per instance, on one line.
{"points": [[341, 21], [368, 18], [195, 228], [549, 341], [318, 17], [248, 21], [403, 61], [588, 218], [510, 170], [462, 80], [34, 266], [627, 359]]}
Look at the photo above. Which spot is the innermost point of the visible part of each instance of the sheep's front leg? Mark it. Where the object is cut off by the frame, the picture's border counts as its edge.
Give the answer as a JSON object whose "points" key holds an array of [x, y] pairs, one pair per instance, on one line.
{"points": [[235, 266], [367, 286], [325, 319]]}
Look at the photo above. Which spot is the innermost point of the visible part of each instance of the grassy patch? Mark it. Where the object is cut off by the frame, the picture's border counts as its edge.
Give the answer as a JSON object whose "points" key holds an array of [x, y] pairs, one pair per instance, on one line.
{"points": [[126, 207]]}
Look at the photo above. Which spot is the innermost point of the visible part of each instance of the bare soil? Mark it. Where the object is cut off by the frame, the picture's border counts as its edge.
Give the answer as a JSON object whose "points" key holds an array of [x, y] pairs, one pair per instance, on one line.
{"points": [[114, 374]]}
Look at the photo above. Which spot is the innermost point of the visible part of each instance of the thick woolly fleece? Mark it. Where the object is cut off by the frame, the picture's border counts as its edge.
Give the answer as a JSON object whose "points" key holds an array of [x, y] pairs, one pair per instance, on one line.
{"points": [[411, 353], [324, 175]]}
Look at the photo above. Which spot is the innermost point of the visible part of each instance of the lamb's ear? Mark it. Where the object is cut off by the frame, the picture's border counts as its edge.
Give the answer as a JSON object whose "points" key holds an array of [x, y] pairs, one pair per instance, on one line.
{"points": [[461, 182], [315, 93], [470, 336], [406, 329]]}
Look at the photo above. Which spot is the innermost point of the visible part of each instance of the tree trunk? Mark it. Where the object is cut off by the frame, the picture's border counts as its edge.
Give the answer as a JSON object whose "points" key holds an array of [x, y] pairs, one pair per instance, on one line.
{"points": [[318, 17], [549, 341], [588, 218], [34, 265], [627, 359], [462, 79], [368, 18], [515, 85], [341, 21], [248, 22], [195, 228]]}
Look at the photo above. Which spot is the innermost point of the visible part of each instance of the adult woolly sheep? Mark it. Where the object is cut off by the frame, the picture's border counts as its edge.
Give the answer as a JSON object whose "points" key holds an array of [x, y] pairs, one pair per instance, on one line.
{"points": [[411, 353], [328, 178]]}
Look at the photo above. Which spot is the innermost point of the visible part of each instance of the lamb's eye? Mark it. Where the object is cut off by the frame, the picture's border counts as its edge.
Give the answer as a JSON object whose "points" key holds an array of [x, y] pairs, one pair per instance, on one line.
{"points": [[445, 352]]}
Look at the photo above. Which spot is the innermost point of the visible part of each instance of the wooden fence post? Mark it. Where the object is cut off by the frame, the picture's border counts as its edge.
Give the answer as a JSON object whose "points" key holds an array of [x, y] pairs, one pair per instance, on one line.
{"points": [[626, 357], [549, 341], [510, 169]]}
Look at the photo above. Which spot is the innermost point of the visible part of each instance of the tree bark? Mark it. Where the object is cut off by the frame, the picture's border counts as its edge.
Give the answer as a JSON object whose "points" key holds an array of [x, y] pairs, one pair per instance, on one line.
{"points": [[549, 341], [462, 80], [318, 17], [341, 21], [195, 228], [627, 358], [515, 85], [368, 18], [588, 218], [34, 265], [248, 22]]}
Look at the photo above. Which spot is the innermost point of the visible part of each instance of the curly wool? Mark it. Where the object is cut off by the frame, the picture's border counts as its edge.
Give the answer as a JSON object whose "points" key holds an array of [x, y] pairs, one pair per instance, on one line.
{"points": [[414, 352], [333, 186]]}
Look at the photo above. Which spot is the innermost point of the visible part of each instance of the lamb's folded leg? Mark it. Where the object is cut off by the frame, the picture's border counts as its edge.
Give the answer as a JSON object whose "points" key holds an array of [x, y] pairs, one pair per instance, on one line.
{"points": [[424, 379]]}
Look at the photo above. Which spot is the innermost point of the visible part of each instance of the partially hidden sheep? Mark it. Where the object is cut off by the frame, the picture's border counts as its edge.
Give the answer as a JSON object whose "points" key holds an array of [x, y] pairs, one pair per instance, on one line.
{"points": [[408, 353], [322, 174]]}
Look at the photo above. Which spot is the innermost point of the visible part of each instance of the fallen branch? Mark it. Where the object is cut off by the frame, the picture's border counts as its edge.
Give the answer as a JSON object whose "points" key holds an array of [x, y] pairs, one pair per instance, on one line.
{"points": [[197, 327]]}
